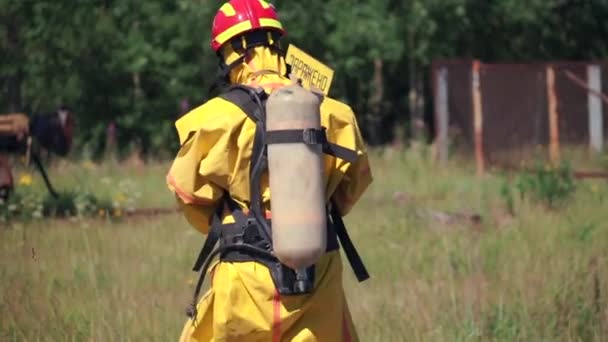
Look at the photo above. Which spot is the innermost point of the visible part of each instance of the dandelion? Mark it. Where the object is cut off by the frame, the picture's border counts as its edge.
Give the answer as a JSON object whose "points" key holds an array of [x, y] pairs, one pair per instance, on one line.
{"points": [[25, 179], [117, 212], [88, 165], [120, 197]]}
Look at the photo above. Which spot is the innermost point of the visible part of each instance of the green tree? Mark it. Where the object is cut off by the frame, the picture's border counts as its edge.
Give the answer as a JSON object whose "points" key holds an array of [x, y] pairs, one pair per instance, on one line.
{"points": [[132, 62]]}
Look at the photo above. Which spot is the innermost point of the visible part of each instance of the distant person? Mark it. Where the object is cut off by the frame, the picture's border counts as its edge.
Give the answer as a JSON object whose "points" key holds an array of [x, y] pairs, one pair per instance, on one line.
{"points": [[217, 182]]}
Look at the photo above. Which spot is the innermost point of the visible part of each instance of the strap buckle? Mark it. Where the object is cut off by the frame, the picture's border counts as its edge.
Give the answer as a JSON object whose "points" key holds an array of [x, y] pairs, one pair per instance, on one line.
{"points": [[313, 136]]}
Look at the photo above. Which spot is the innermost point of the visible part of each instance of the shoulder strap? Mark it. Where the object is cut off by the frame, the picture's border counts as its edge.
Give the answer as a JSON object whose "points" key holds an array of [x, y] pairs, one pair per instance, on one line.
{"points": [[243, 97], [252, 102], [349, 248], [212, 237]]}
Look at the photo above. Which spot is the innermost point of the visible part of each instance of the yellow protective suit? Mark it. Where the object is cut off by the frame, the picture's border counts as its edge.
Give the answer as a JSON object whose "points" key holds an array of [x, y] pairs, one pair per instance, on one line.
{"points": [[242, 303]]}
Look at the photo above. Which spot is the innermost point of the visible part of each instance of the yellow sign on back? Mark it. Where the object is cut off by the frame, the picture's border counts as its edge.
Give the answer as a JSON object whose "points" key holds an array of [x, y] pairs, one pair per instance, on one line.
{"points": [[309, 70]]}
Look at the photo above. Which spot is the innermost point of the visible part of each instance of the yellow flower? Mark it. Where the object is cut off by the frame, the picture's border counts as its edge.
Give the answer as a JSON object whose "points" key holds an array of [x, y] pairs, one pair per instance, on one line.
{"points": [[25, 179], [120, 197], [117, 212], [88, 165], [102, 212]]}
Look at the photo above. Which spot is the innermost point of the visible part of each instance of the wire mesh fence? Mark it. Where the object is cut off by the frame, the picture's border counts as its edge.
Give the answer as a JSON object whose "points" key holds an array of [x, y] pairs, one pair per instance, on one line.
{"points": [[522, 109]]}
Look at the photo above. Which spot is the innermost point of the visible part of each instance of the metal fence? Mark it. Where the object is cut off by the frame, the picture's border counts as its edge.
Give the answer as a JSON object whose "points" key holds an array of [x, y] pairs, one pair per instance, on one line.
{"points": [[505, 112]]}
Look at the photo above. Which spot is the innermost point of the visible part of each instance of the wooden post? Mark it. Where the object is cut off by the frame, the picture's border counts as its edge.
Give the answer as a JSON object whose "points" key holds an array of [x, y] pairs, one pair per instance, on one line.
{"points": [[442, 113], [596, 125], [553, 116], [478, 119]]}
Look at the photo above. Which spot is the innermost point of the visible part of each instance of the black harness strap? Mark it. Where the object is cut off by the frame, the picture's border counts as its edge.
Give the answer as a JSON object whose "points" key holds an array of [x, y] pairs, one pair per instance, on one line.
{"points": [[252, 102], [349, 248], [340, 152], [286, 280], [240, 96], [217, 233], [212, 238], [250, 237], [310, 136], [243, 97]]}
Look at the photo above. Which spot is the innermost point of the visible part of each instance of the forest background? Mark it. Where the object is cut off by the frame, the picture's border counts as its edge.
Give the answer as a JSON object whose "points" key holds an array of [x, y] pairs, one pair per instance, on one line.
{"points": [[134, 66]]}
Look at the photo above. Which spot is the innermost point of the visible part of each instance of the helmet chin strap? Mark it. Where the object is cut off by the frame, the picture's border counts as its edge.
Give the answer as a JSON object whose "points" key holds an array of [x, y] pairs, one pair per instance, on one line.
{"points": [[222, 80]]}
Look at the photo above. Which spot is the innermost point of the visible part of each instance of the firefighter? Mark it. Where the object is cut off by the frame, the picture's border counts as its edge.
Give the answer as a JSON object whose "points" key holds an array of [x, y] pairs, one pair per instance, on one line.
{"points": [[222, 192]]}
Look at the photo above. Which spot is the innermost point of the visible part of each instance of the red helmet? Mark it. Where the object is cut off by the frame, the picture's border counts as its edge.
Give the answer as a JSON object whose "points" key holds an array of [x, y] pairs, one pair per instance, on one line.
{"points": [[240, 16]]}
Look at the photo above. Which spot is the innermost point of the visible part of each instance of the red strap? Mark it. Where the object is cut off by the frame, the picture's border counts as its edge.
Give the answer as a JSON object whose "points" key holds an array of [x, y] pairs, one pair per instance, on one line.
{"points": [[276, 317]]}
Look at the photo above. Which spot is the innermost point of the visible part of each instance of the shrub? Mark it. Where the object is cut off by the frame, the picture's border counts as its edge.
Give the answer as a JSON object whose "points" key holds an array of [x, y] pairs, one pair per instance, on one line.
{"points": [[549, 185]]}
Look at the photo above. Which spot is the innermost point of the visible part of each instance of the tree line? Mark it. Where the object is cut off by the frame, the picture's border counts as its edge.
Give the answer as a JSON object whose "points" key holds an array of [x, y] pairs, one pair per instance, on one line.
{"points": [[137, 65]]}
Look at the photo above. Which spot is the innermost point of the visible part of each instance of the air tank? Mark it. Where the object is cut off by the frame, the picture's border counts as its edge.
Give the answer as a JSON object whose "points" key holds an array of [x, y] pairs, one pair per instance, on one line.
{"points": [[296, 179]]}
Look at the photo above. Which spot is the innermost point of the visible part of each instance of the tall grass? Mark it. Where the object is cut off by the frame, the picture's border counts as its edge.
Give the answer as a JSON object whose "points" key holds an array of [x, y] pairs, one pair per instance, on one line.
{"points": [[540, 275]]}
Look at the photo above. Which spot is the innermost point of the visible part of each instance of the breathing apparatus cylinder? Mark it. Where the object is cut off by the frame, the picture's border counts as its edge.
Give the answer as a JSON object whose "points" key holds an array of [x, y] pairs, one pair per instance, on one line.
{"points": [[296, 179]]}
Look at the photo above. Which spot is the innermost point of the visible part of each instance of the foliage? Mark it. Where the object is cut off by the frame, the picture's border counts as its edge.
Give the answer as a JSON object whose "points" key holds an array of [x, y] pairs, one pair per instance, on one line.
{"points": [[506, 194], [548, 184], [77, 204], [133, 63], [552, 186], [538, 276], [28, 205]]}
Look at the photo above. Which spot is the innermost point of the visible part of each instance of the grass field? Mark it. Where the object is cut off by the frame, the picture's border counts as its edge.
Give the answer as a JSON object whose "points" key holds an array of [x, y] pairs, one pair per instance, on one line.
{"points": [[538, 275]]}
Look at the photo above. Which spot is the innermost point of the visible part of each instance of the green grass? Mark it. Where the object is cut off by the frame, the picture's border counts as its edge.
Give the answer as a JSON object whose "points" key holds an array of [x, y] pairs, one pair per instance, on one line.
{"points": [[541, 275]]}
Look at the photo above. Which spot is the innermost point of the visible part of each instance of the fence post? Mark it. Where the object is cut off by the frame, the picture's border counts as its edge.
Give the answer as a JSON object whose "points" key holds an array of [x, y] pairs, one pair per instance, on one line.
{"points": [[477, 119], [553, 116], [596, 125], [442, 114]]}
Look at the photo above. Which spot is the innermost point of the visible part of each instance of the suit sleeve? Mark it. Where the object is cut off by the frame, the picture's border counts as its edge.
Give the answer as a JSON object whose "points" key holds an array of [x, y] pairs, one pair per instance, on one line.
{"points": [[200, 172], [348, 180]]}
